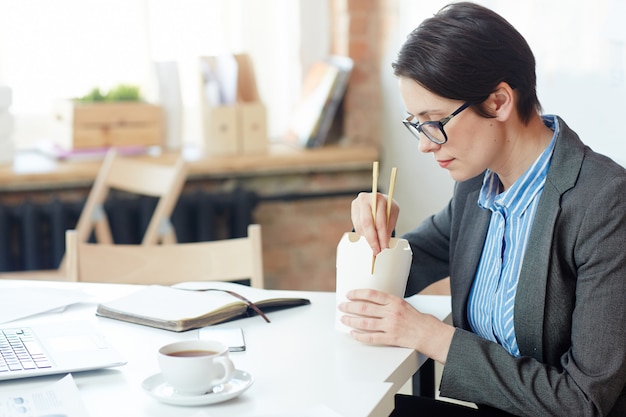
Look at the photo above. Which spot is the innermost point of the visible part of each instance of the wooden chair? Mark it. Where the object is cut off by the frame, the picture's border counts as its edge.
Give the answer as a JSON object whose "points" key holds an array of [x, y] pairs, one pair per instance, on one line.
{"points": [[221, 260], [138, 177], [129, 175]]}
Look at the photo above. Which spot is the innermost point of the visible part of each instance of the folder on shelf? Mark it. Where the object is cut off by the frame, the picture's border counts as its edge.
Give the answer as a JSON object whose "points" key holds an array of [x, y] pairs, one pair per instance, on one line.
{"points": [[323, 90]]}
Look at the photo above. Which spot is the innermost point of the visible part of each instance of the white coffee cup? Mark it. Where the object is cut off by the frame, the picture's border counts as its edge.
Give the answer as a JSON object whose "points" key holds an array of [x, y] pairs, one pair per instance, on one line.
{"points": [[195, 367], [354, 268]]}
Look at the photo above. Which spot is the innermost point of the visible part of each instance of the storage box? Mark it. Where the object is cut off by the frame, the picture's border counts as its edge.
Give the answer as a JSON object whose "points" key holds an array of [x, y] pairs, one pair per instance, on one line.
{"points": [[92, 125], [239, 128]]}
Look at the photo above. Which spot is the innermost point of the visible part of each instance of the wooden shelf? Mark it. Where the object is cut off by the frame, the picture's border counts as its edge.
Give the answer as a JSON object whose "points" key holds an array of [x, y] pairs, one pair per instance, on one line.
{"points": [[32, 170]]}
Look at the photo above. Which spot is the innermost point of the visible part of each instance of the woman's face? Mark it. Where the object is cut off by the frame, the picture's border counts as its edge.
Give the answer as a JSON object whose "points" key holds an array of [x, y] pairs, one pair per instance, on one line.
{"points": [[474, 142]]}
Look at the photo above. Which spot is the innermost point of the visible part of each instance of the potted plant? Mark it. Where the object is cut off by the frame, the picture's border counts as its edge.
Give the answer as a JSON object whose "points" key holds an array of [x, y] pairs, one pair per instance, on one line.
{"points": [[118, 117]]}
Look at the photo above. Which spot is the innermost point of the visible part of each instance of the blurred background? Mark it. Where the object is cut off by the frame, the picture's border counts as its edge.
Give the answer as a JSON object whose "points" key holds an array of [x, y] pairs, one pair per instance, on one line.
{"points": [[51, 50]]}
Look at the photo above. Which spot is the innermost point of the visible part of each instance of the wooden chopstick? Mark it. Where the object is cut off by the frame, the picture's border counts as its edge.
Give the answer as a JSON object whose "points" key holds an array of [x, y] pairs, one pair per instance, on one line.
{"points": [[374, 201], [392, 185]]}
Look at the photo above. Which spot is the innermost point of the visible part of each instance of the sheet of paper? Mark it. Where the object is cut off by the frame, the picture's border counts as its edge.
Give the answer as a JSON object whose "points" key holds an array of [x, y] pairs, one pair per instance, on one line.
{"points": [[58, 399], [226, 72], [20, 302]]}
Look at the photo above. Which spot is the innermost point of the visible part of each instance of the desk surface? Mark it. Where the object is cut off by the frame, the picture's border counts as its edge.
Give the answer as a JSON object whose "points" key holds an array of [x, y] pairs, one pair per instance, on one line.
{"points": [[299, 361]]}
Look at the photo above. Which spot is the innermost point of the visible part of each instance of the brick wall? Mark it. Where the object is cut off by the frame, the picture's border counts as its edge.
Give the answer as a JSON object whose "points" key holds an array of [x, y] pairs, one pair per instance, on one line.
{"points": [[300, 237], [359, 29]]}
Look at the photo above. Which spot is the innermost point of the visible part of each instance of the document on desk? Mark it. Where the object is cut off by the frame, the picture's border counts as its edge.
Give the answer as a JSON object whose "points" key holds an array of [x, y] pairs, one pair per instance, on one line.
{"points": [[58, 399], [20, 302]]}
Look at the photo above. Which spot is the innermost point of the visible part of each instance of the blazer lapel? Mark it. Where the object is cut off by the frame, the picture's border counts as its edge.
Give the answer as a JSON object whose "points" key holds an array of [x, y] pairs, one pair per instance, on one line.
{"points": [[531, 289], [472, 232]]}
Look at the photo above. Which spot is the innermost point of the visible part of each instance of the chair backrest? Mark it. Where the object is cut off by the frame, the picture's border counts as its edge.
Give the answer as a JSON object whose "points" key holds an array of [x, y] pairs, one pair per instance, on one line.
{"points": [[221, 260], [137, 177]]}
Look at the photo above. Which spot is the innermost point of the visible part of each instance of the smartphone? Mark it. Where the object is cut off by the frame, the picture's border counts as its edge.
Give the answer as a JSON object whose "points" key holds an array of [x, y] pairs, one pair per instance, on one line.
{"points": [[230, 336]]}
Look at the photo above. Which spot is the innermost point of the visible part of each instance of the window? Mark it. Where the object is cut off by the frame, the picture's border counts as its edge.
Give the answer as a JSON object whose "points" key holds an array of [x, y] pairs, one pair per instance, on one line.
{"points": [[53, 50]]}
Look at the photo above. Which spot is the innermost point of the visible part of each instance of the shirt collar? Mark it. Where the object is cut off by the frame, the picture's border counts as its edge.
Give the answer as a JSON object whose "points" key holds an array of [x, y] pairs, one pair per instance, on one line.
{"points": [[518, 197]]}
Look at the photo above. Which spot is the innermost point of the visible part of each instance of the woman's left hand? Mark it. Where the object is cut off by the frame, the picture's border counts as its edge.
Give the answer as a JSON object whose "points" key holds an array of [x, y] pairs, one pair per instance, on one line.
{"points": [[379, 318]]}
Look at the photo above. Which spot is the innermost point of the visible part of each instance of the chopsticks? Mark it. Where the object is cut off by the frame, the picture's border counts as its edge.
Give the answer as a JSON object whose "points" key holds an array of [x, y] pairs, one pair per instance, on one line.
{"points": [[392, 185]]}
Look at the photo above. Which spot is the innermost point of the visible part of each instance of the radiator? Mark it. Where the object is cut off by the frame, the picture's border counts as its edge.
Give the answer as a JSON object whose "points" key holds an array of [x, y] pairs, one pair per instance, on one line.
{"points": [[32, 234]]}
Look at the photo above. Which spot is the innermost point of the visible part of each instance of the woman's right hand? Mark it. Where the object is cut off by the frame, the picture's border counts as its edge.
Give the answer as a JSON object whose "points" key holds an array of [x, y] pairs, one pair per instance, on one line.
{"points": [[377, 233]]}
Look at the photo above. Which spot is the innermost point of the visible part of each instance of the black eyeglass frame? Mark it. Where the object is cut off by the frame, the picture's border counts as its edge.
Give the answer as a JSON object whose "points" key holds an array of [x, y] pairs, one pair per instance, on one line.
{"points": [[416, 127]]}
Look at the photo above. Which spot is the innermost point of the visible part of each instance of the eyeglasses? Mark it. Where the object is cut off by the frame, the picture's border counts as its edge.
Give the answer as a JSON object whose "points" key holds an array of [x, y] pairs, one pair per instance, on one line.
{"points": [[433, 130]]}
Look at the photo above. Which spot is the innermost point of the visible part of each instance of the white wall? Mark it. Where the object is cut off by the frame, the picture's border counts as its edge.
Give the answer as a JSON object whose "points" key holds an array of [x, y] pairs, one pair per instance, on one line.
{"points": [[580, 49]]}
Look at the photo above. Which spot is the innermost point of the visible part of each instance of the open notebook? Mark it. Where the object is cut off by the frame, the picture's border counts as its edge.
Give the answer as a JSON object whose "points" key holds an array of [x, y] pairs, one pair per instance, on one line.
{"points": [[53, 348]]}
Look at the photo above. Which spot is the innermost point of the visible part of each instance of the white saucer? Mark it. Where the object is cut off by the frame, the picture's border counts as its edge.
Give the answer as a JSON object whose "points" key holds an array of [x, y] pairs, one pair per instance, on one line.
{"points": [[156, 387]]}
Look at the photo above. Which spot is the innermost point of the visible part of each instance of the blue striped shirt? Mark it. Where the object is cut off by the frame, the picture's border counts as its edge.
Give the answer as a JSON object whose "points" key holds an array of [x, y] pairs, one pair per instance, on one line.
{"points": [[492, 298]]}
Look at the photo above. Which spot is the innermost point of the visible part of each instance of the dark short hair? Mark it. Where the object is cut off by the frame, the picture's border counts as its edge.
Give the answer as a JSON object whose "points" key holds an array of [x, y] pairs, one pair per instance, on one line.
{"points": [[464, 51]]}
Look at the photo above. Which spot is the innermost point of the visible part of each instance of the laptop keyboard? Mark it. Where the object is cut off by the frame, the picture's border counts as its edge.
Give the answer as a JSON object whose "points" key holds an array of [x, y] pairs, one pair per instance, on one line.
{"points": [[19, 349]]}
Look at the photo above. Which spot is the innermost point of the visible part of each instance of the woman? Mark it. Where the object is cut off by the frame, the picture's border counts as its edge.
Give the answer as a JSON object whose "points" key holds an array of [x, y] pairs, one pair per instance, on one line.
{"points": [[533, 238]]}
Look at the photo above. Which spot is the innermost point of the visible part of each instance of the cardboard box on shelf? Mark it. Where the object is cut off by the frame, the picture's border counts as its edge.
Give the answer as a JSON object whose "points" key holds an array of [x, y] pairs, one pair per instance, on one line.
{"points": [[253, 127], [93, 125], [233, 117]]}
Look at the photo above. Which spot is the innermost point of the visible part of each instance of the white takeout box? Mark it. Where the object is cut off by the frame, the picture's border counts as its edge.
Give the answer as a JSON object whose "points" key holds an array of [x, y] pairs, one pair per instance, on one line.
{"points": [[354, 268]]}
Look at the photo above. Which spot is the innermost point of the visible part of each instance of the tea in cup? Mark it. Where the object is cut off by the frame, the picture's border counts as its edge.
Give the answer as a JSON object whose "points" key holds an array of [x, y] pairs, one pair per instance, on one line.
{"points": [[195, 367], [354, 268]]}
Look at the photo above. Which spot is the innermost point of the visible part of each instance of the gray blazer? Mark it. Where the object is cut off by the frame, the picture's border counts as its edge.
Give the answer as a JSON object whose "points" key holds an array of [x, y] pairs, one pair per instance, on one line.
{"points": [[570, 307]]}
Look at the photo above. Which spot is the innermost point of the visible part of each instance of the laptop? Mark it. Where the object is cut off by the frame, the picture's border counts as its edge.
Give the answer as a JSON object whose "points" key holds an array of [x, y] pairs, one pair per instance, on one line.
{"points": [[53, 348]]}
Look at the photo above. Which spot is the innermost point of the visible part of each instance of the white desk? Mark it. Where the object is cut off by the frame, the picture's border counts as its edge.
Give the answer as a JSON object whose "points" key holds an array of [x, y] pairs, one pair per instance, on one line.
{"points": [[298, 361]]}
